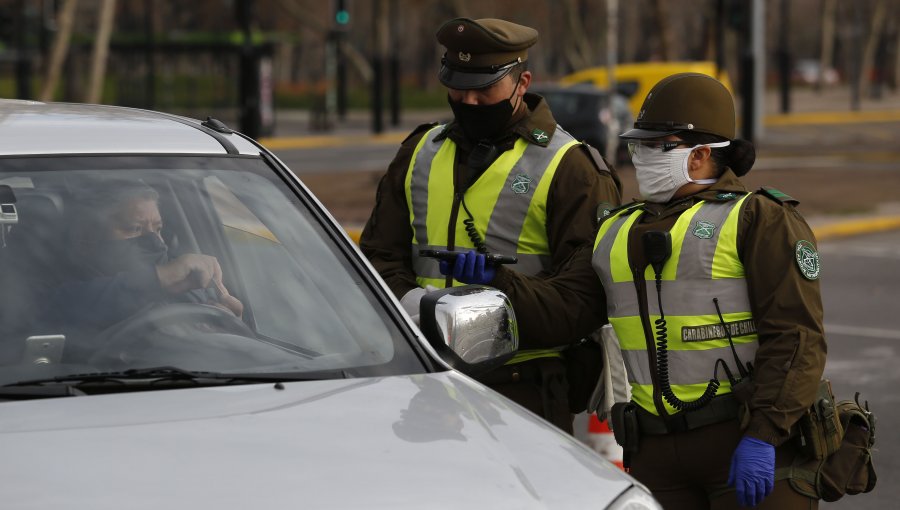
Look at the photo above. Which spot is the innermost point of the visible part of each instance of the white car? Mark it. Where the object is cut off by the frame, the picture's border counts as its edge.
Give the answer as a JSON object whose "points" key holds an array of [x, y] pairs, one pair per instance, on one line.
{"points": [[182, 325]]}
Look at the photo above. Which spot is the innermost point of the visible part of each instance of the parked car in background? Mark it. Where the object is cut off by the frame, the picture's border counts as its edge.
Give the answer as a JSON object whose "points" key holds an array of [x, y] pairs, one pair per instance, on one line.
{"points": [[120, 390], [635, 79], [590, 114]]}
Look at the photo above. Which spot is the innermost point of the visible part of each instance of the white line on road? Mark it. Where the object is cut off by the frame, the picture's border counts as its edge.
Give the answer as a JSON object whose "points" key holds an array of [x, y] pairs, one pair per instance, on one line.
{"points": [[839, 329]]}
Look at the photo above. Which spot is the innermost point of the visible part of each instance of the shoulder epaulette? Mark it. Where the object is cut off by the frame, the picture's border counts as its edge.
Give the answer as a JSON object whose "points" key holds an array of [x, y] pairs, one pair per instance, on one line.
{"points": [[778, 196], [604, 212], [601, 164], [627, 207], [420, 128]]}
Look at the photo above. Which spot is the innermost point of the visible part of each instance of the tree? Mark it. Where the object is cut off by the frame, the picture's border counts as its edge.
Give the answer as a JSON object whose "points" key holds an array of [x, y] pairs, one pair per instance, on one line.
{"points": [[64, 19], [101, 51], [826, 52]]}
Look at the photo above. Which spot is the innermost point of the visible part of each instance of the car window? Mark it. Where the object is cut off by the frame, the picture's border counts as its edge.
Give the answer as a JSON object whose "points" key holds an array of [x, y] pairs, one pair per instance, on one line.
{"points": [[207, 264]]}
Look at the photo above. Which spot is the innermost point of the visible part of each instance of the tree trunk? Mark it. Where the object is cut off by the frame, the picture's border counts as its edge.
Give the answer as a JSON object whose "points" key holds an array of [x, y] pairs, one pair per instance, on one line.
{"points": [[879, 15], [101, 51], [664, 29], [579, 50], [60, 48], [826, 54]]}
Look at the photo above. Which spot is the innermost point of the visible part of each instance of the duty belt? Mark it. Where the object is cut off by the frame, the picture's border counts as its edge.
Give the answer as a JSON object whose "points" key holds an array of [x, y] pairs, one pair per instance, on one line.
{"points": [[719, 409]]}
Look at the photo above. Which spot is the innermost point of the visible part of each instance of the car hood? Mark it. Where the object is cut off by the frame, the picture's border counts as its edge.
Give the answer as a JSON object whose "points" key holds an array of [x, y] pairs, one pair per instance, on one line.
{"points": [[435, 441]]}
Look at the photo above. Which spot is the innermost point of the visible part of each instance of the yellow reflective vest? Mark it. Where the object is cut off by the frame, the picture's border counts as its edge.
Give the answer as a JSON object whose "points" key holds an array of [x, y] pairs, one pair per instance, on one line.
{"points": [[704, 264], [508, 203]]}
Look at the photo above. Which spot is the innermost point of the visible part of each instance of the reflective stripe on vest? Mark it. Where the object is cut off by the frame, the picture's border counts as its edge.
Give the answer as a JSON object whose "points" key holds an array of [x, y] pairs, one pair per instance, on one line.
{"points": [[508, 203], [704, 265]]}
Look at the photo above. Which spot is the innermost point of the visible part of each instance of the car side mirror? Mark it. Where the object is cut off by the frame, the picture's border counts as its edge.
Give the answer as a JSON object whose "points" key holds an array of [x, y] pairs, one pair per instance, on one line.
{"points": [[473, 327]]}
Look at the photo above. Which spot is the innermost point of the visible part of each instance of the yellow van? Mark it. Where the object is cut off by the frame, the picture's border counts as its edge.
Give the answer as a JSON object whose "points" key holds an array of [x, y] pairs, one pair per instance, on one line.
{"points": [[636, 79]]}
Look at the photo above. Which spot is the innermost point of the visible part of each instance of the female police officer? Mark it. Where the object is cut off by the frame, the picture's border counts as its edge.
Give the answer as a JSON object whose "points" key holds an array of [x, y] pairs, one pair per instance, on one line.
{"points": [[708, 287]]}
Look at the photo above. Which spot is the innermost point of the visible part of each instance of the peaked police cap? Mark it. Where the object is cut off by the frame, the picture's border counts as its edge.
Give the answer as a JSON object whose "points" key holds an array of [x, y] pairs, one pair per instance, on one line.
{"points": [[685, 102], [481, 52]]}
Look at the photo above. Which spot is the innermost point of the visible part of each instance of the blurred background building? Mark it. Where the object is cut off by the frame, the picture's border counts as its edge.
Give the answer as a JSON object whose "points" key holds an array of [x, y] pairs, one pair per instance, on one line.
{"points": [[245, 60]]}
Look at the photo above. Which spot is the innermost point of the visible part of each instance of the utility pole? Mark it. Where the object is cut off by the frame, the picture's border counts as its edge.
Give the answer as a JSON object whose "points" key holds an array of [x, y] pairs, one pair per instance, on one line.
{"points": [[784, 56], [612, 43], [379, 30], [23, 55], [150, 54], [250, 117], [341, 20], [752, 68], [394, 79]]}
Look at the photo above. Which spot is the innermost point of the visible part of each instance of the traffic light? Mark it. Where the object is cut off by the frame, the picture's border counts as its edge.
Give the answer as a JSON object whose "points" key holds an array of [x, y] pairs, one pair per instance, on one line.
{"points": [[341, 14]]}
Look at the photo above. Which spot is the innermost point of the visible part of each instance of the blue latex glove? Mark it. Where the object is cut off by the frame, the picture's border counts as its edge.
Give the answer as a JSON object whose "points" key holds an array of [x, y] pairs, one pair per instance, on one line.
{"points": [[752, 471], [470, 268]]}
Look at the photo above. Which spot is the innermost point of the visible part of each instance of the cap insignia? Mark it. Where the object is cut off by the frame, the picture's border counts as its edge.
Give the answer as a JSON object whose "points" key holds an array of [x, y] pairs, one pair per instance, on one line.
{"points": [[540, 136], [464, 57], [460, 28]]}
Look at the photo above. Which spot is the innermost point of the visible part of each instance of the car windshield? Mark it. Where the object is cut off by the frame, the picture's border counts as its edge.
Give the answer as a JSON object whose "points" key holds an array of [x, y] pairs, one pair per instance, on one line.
{"points": [[211, 264]]}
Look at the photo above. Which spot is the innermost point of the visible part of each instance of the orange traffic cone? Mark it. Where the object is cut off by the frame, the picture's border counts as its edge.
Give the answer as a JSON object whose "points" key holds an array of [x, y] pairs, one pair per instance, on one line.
{"points": [[601, 440]]}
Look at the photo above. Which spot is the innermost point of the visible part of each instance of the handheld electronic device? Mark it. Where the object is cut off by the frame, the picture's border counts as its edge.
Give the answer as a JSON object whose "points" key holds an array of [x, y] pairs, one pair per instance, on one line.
{"points": [[450, 256]]}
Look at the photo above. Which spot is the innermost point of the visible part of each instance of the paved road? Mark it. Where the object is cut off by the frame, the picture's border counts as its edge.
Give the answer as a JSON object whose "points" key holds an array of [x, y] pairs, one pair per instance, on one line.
{"points": [[860, 282]]}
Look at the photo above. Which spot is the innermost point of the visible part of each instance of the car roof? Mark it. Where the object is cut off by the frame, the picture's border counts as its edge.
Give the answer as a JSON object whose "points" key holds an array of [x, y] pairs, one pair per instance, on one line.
{"points": [[32, 128]]}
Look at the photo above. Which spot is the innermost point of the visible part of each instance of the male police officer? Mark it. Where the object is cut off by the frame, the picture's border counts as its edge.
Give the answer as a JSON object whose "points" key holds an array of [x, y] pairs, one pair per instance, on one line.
{"points": [[503, 178]]}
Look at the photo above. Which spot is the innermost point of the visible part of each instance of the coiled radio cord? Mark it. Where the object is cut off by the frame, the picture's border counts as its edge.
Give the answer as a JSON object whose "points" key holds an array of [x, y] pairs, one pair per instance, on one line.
{"points": [[471, 231], [662, 364]]}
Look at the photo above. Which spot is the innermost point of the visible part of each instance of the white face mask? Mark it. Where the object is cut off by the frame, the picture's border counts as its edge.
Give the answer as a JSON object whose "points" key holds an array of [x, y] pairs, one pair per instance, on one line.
{"points": [[660, 174]]}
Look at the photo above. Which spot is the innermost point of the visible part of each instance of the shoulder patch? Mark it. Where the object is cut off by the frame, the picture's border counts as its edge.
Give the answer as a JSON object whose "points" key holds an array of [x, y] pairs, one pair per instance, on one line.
{"points": [[419, 129], [540, 137], [778, 196], [807, 259]]}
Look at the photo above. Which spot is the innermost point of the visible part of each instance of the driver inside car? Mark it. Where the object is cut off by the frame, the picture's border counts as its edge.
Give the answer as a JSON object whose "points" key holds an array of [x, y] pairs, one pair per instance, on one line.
{"points": [[118, 263]]}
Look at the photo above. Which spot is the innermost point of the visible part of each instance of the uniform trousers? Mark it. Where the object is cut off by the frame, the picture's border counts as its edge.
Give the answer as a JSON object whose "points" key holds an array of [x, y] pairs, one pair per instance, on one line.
{"points": [[538, 385], [689, 470]]}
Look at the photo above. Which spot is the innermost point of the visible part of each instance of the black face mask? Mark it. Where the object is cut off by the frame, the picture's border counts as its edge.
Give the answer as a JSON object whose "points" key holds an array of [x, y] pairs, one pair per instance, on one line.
{"points": [[483, 121], [124, 255]]}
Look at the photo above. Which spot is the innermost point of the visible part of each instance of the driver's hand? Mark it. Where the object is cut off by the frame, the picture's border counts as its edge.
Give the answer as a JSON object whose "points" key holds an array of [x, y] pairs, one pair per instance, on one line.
{"points": [[197, 271], [188, 272], [227, 301]]}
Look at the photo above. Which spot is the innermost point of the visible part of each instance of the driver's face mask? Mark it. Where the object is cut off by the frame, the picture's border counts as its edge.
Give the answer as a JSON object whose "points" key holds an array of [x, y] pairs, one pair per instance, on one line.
{"points": [[661, 173], [123, 255]]}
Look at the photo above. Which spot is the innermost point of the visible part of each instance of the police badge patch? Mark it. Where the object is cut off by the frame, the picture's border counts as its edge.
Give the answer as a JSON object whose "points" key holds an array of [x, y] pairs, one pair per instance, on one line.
{"points": [[807, 259], [520, 184], [704, 229]]}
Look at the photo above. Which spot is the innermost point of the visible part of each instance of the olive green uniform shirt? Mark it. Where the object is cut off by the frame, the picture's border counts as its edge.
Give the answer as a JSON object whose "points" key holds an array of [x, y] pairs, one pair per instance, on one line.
{"points": [[786, 305], [577, 189]]}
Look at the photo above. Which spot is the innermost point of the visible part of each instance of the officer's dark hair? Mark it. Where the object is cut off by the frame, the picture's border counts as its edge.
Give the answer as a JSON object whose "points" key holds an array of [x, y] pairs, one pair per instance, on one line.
{"points": [[739, 155]]}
